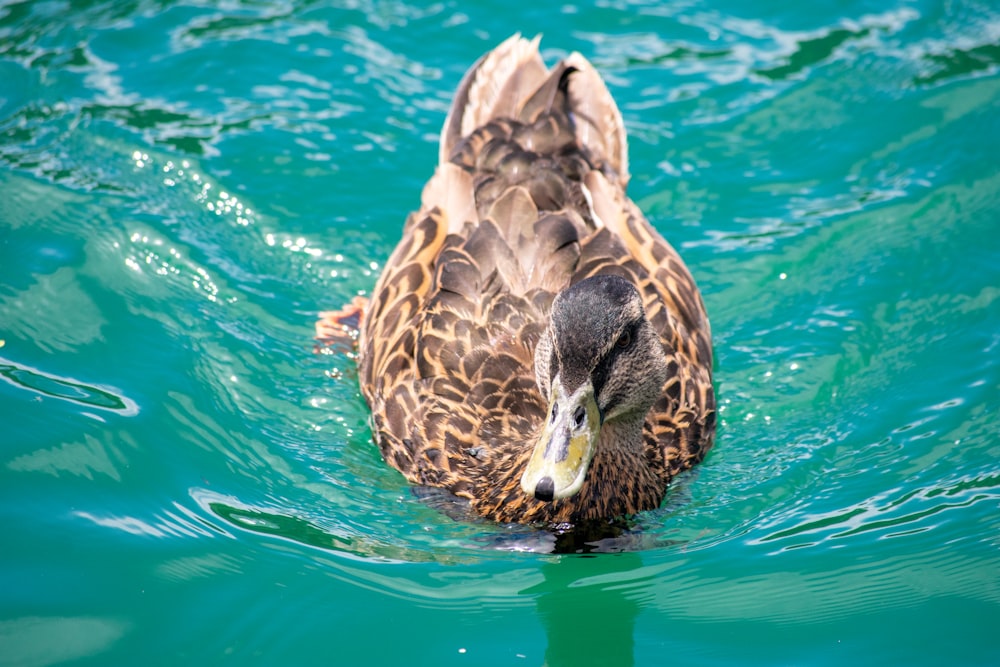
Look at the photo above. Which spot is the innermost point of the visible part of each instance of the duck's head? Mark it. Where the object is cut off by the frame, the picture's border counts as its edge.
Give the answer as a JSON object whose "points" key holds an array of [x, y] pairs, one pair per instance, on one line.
{"points": [[599, 361]]}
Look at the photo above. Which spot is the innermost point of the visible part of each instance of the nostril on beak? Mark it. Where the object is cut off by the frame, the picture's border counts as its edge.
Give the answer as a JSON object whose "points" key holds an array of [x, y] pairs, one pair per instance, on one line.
{"points": [[545, 489]]}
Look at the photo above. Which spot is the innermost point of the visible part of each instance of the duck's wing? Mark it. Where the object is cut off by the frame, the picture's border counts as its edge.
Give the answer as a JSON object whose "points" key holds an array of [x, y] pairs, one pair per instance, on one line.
{"points": [[680, 429]]}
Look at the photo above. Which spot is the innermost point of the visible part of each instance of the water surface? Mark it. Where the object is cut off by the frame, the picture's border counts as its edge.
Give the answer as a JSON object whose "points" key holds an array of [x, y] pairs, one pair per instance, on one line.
{"points": [[183, 481]]}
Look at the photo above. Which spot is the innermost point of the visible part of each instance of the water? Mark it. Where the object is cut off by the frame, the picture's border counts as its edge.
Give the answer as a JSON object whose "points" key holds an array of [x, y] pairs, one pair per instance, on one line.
{"points": [[183, 481]]}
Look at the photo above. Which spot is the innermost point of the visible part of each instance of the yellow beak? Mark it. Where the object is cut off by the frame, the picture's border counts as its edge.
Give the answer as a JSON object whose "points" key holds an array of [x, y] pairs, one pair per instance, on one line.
{"points": [[562, 455]]}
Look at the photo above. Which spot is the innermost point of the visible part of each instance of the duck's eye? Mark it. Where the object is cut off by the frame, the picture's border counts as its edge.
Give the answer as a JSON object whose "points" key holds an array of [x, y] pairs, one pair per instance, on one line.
{"points": [[624, 340], [579, 415]]}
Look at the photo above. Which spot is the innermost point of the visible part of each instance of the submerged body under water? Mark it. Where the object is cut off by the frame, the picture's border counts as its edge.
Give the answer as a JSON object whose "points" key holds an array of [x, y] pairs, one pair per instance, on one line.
{"points": [[184, 187]]}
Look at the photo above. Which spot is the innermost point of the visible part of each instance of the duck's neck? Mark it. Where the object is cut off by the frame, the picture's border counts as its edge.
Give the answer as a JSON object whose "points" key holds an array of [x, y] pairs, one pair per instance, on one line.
{"points": [[622, 435], [620, 481]]}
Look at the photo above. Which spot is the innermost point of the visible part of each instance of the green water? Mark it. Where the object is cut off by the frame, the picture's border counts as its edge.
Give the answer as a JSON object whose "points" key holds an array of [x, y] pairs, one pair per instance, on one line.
{"points": [[183, 481]]}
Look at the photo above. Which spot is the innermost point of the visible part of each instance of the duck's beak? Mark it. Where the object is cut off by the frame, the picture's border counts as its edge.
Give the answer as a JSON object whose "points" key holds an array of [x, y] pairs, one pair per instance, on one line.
{"points": [[559, 462]]}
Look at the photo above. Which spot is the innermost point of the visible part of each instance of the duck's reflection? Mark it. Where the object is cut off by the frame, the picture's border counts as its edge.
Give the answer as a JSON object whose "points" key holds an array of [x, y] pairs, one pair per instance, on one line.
{"points": [[588, 614], [587, 602]]}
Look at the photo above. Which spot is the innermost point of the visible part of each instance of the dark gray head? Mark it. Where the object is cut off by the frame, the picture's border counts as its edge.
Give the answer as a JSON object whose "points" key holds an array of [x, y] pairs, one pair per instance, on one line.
{"points": [[599, 332], [600, 359]]}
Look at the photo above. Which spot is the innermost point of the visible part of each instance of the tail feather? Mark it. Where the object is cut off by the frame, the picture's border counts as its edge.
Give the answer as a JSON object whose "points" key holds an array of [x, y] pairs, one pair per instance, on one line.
{"points": [[599, 122], [512, 82], [492, 88]]}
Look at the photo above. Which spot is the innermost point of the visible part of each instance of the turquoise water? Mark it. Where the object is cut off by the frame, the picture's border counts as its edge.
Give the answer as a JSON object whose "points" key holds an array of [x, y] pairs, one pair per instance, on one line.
{"points": [[183, 481]]}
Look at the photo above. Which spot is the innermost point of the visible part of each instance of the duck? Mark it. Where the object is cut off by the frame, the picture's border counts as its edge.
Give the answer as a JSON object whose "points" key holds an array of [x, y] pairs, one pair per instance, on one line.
{"points": [[533, 345]]}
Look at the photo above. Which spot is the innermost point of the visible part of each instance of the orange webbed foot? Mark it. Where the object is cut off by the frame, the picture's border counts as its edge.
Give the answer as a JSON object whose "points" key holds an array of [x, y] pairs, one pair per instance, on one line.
{"points": [[337, 330]]}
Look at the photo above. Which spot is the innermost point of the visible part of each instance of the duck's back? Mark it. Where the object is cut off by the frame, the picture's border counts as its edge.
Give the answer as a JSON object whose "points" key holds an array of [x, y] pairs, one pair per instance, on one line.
{"points": [[528, 198]]}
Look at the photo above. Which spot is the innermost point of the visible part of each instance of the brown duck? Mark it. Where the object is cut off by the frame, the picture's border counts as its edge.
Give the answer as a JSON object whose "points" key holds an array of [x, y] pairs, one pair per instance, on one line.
{"points": [[533, 345]]}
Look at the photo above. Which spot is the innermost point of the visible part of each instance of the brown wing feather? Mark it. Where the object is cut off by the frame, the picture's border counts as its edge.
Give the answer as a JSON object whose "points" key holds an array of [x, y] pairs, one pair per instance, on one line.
{"points": [[529, 198]]}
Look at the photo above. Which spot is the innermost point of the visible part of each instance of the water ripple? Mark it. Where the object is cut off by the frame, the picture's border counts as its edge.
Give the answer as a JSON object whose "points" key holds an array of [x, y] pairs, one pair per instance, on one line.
{"points": [[67, 389], [894, 513]]}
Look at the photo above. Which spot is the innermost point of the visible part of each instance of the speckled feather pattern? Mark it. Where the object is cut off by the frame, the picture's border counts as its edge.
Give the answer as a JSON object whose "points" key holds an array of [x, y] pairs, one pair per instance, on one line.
{"points": [[529, 199]]}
